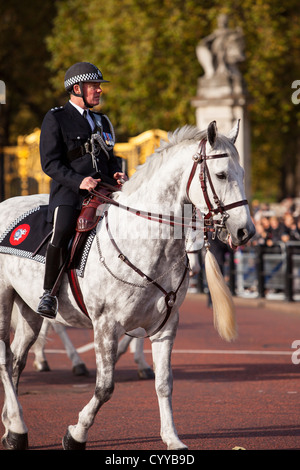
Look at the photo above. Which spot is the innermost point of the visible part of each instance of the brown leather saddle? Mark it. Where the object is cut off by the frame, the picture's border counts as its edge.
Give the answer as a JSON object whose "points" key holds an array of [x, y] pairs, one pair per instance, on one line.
{"points": [[91, 212]]}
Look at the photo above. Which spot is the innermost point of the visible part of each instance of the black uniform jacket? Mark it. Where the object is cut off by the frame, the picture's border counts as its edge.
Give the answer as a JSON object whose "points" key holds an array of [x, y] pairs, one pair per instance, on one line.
{"points": [[63, 130]]}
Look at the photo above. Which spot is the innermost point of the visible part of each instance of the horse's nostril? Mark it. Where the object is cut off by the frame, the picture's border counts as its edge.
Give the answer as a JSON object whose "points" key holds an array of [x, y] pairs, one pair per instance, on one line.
{"points": [[242, 234]]}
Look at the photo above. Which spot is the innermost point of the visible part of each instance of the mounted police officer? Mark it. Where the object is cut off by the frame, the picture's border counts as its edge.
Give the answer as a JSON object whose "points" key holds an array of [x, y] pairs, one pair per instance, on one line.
{"points": [[76, 148]]}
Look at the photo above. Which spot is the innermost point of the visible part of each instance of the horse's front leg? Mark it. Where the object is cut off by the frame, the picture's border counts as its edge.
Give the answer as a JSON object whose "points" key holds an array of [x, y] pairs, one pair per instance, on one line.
{"points": [[106, 345], [162, 344]]}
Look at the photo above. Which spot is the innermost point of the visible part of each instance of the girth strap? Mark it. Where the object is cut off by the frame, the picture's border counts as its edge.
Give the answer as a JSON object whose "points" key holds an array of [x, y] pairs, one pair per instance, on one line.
{"points": [[76, 291]]}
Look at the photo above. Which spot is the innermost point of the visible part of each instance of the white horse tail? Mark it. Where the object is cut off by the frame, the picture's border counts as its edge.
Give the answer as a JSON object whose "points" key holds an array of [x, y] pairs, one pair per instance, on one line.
{"points": [[2, 353], [223, 306]]}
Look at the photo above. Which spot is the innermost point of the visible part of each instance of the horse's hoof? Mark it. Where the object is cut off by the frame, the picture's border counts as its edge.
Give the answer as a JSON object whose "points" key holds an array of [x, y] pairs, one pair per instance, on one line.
{"points": [[181, 448], [15, 441], [42, 366], [80, 369], [146, 374], [69, 443]]}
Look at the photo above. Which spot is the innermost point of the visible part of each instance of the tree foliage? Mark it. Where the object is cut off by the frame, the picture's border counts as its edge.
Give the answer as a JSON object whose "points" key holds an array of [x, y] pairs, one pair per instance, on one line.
{"points": [[146, 48], [23, 29]]}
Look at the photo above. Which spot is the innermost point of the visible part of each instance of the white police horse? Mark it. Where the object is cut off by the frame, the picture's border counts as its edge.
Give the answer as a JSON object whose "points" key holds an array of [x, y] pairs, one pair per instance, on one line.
{"points": [[132, 280]]}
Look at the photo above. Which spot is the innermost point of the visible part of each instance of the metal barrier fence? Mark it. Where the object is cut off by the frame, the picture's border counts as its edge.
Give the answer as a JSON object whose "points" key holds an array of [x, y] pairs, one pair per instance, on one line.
{"points": [[262, 271]]}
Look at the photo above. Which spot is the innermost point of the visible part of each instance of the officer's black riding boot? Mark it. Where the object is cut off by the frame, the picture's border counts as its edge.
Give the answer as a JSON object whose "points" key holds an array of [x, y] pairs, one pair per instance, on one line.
{"points": [[49, 303]]}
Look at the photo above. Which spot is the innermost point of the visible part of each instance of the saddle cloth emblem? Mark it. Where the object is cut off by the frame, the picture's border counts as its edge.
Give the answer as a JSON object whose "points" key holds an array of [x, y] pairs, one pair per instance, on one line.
{"points": [[19, 234]]}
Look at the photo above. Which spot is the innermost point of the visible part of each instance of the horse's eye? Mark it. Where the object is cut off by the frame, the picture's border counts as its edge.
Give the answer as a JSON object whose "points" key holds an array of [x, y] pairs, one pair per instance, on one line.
{"points": [[221, 176]]}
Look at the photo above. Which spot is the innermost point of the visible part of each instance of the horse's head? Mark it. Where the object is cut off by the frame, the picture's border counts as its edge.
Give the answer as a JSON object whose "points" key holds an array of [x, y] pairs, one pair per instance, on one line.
{"points": [[216, 187]]}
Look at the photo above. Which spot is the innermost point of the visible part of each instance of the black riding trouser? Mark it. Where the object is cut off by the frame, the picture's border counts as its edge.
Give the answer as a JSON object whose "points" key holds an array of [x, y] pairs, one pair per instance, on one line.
{"points": [[65, 218], [64, 224]]}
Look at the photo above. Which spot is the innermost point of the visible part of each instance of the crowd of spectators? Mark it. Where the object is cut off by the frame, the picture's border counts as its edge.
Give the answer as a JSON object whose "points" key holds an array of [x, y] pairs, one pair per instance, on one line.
{"points": [[276, 223]]}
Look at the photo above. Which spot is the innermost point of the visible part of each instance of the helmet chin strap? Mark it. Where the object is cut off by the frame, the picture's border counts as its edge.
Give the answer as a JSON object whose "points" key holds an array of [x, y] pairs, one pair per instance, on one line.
{"points": [[81, 95]]}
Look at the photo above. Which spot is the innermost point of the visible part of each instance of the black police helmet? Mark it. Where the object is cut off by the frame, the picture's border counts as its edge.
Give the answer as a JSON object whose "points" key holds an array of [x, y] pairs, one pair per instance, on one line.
{"points": [[82, 72]]}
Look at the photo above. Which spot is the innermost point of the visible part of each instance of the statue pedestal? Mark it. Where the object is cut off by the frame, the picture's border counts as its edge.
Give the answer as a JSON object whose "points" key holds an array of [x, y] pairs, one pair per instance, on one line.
{"points": [[221, 105]]}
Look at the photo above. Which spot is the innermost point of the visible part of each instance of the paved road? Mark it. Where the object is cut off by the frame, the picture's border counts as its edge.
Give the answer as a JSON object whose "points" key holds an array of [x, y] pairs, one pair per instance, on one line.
{"points": [[244, 394]]}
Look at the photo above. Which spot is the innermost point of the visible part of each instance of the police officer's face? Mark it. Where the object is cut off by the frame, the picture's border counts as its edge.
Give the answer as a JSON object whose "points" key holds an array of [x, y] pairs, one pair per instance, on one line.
{"points": [[92, 92]]}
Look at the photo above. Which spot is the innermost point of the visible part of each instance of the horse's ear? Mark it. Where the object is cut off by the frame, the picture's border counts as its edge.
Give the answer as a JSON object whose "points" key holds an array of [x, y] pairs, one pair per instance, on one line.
{"points": [[212, 133], [232, 136]]}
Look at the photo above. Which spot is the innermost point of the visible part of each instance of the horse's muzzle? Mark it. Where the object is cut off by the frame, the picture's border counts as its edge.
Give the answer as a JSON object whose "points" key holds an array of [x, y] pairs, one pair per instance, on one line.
{"points": [[245, 234]]}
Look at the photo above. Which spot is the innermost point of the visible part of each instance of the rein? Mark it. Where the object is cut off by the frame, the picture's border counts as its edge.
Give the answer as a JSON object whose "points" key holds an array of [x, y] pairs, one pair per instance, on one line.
{"points": [[161, 218]]}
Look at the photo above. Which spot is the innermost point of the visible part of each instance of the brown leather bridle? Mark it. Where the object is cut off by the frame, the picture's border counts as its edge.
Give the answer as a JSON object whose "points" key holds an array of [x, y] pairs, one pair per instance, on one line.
{"points": [[210, 224]]}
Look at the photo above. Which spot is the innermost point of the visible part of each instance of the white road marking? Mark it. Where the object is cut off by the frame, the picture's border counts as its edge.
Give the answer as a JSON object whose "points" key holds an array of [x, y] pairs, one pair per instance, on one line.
{"points": [[249, 352], [229, 351], [82, 349]]}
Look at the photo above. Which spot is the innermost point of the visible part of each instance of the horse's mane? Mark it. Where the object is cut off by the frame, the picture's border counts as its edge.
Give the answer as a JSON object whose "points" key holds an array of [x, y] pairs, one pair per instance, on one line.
{"points": [[180, 135], [154, 161]]}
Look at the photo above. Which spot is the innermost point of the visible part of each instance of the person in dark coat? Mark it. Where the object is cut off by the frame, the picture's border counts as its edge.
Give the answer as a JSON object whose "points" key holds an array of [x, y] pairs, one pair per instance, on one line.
{"points": [[75, 166]]}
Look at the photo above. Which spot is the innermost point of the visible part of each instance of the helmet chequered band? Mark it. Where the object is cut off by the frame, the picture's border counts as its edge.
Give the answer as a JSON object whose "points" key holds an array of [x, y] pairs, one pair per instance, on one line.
{"points": [[84, 77]]}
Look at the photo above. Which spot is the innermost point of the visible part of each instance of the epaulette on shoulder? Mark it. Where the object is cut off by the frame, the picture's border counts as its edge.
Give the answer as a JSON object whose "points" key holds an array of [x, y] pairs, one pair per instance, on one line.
{"points": [[57, 108]]}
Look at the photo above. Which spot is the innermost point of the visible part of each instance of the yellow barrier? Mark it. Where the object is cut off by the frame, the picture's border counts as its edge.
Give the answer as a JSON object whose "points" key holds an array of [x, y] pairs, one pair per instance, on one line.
{"points": [[22, 170], [139, 148]]}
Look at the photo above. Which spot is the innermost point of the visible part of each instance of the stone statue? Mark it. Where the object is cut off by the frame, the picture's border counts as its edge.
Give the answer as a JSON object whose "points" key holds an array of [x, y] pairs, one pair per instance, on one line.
{"points": [[221, 92], [219, 53]]}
